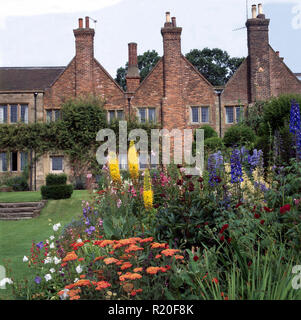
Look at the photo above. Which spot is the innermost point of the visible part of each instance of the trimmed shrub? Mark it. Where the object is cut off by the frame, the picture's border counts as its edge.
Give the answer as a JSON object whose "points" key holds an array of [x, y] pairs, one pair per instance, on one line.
{"points": [[56, 179], [214, 143], [18, 183], [209, 132], [239, 135], [57, 191]]}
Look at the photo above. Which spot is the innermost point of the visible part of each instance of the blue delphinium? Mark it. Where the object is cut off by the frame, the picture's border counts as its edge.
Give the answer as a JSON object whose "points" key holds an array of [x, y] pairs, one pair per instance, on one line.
{"points": [[236, 168], [215, 162], [295, 126], [255, 160]]}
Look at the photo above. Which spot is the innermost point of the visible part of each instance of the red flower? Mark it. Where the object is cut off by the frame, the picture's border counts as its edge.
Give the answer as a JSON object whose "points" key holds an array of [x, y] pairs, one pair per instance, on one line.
{"points": [[200, 180], [195, 258], [180, 182], [262, 222], [215, 280], [250, 263], [285, 208], [167, 267], [256, 215], [266, 209], [206, 223], [238, 205], [222, 238], [229, 240], [224, 227], [254, 208]]}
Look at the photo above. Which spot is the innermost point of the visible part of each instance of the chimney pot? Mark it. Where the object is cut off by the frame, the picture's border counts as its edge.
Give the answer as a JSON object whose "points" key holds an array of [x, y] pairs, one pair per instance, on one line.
{"points": [[278, 53], [174, 22], [260, 10], [87, 23], [168, 17], [80, 23], [254, 11]]}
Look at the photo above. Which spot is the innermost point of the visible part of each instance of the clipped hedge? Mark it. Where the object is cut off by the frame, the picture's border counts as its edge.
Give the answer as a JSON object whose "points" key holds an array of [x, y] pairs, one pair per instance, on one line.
{"points": [[239, 135], [56, 192], [56, 179], [214, 143]]}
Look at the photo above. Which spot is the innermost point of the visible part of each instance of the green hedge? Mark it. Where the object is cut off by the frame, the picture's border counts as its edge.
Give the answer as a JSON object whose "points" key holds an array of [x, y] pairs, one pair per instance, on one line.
{"points": [[56, 179], [239, 135], [57, 191]]}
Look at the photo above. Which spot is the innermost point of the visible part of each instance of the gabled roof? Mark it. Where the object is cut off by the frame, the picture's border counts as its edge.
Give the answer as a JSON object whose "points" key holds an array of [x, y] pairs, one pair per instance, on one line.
{"points": [[28, 78]]}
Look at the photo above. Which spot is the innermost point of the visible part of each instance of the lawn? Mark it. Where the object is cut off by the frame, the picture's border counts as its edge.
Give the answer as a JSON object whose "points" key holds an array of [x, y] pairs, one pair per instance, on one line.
{"points": [[22, 196], [16, 236]]}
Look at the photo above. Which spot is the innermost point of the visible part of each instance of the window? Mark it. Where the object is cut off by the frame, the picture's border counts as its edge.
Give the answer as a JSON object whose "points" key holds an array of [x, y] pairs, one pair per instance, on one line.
{"points": [[53, 115], [3, 162], [24, 160], [239, 114], [200, 114], [3, 114], [13, 113], [234, 114], [24, 113], [14, 161], [229, 115], [115, 115], [56, 163], [147, 115]]}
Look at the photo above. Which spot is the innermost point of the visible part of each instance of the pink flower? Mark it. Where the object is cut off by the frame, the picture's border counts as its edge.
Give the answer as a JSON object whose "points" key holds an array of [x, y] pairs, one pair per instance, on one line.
{"points": [[119, 202], [297, 202], [89, 175]]}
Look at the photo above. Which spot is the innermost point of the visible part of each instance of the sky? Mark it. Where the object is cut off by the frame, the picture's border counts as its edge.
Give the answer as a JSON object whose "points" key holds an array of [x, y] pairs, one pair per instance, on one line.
{"points": [[40, 33]]}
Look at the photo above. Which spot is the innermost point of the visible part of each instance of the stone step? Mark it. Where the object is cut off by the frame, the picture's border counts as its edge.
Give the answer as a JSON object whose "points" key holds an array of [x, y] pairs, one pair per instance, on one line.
{"points": [[19, 204], [16, 215], [18, 209], [14, 218]]}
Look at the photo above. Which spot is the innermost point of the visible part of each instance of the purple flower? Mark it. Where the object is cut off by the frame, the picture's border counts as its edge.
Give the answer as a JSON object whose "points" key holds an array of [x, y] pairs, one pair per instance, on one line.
{"points": [[236, 169], [90, 230], [215, 162], [40, 245], [37, 279]]}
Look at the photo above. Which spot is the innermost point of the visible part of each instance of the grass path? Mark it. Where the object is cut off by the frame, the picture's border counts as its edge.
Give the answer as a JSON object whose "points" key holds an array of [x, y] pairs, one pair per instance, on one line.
{"points": [[22, 196], [16, 236]]}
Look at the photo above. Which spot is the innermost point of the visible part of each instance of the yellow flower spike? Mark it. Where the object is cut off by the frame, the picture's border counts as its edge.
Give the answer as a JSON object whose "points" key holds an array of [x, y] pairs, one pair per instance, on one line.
{"points": [[133, 161], [148, 194], [114, 168]]}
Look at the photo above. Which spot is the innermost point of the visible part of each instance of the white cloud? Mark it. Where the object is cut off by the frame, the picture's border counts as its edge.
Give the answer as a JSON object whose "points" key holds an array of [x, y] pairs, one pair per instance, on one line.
{"points": [[38, 7]]}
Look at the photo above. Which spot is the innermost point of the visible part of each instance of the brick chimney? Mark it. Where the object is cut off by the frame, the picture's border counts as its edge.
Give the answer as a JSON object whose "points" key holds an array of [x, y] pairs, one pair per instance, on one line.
{"points": [[84, 58], [132, 77], [259, 61]]}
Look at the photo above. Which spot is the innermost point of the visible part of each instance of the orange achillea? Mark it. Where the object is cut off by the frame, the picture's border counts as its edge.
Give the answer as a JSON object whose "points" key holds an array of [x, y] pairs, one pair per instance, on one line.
{"points": [[138, 269], [70, 256], [102, 285], [70, 286], [73, 292], [98, 258], [110, 260], [126, 265], [133, 247], [156, 245], [75, 298], [82, 276], [130, 276], [153, 270], [158, 256], [82, 283], [104, 243], [178, 257], [169, 252], [146, 240]]}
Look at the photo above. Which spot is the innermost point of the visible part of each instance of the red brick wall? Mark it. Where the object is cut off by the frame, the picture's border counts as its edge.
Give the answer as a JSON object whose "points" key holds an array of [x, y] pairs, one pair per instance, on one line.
{"points": [[282, 78]]}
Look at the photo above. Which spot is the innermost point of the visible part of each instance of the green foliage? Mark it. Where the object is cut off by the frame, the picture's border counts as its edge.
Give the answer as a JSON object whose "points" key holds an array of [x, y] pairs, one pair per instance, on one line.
{"points": [[214, 144], [214, 64], [55, 179], [239, 134], [57, 192]]}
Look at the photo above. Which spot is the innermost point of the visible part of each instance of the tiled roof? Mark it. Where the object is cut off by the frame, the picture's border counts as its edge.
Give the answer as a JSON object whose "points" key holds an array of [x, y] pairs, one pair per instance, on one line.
{"points": [[28, 78]]}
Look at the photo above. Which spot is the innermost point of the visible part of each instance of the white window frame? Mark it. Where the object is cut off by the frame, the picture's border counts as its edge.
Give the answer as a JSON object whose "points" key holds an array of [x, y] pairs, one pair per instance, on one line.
{"points": [[199, 115], [115, 115], [147, 114], [51, 164], [234, 108]]}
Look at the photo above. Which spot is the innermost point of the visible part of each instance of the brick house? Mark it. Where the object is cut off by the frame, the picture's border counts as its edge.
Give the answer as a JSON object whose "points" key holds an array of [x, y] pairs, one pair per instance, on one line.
{"points": [[174, 94]]}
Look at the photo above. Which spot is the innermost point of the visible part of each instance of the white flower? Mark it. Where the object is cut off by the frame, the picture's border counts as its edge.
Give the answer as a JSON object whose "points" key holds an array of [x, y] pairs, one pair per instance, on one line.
{"points": [[47, 241], [56, 226], [25, 259], [79, 269], [4, 281], [79, 240], [56, 260], [51, 238], [52, 270], [48, 260], [51, 245], [48, 277], [75, 280]]}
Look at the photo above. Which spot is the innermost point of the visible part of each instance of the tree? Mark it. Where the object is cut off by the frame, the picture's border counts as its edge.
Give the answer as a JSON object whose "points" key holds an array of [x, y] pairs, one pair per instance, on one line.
{"points": [[146, 63], [214, 64]]}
